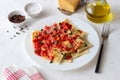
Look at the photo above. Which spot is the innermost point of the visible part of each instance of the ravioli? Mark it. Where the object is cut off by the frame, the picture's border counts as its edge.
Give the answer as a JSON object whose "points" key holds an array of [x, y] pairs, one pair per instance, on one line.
{"points": [[60, 42]]}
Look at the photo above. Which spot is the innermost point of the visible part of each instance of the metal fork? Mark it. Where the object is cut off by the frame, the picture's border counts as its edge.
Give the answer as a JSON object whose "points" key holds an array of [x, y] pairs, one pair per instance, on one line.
{"points": [[104, 35]]}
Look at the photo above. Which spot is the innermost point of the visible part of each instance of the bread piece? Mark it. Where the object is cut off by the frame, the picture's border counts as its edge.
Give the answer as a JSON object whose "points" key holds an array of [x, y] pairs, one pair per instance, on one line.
{"points": [[69, 5]]}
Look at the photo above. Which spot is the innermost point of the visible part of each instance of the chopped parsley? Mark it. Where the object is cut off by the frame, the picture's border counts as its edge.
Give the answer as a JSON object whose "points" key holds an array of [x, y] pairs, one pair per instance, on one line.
{"points": [[85, 44], [41, 42], [51, 61], [41, 29]]}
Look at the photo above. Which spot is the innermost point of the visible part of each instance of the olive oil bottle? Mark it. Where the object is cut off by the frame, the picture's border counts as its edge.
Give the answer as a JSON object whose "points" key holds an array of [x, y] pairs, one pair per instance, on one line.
{"points": [[98, 11]]}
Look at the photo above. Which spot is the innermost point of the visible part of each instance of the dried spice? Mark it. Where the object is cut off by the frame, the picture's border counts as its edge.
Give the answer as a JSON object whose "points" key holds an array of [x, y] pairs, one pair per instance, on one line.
{"points": [[21, 29], [18, 33], [14, 36], [26, 26], [17, 18], [14, 27], [7, 31], [11, 38]]}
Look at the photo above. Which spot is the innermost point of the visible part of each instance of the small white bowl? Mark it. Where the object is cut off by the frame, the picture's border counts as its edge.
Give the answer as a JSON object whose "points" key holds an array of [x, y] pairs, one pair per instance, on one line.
{"points": [[33, 9], [18, 24]]}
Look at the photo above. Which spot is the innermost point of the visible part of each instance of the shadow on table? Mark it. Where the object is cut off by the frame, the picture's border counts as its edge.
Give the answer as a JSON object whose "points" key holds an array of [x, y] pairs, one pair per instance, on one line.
{"points": [[90, 65], [116, 15], [85, 68], [30, 21]]}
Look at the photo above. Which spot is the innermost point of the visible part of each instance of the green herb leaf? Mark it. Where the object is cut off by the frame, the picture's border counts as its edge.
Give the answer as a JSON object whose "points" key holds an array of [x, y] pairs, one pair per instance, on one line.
{"points": [[41, 42], [51, 61], [65, 31], [55, 42], [70, 33], [85, 44], [41, 29], [64, 56], [36, 36]]}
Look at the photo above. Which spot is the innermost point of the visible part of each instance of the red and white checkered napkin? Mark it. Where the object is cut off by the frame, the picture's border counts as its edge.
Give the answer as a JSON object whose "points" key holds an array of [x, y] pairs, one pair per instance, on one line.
{"points": [[14, 73]]}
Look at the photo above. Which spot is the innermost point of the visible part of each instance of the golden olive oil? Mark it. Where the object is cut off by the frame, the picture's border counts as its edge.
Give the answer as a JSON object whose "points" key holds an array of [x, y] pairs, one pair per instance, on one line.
{"points": [[98, 11]]}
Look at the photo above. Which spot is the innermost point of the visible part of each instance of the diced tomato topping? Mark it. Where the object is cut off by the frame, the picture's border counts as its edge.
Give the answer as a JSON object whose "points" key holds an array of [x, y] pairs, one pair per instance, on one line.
{"points": [[52, 37], [37, 52], [54, 25], [35, 40], [50, 57], [65, 26], [39, 37], [68, 57], [39, 34], [81, 42], [43, 53]]}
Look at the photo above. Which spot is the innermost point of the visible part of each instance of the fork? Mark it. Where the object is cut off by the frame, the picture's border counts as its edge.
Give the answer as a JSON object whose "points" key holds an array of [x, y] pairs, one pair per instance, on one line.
{"points": [[104, 35]]}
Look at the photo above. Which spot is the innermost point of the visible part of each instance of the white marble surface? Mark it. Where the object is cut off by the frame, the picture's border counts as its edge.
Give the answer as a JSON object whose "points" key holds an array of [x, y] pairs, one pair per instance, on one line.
{"points": [[13, 51]]}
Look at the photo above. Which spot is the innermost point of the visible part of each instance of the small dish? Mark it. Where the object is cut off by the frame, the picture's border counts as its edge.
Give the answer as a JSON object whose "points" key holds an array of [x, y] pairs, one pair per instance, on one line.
{"points": [[33, 9], [17, 18]]}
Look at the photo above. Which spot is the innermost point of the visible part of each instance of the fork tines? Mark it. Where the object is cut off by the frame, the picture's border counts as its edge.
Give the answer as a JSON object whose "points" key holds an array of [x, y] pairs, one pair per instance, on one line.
{"points": [[106, 29]]}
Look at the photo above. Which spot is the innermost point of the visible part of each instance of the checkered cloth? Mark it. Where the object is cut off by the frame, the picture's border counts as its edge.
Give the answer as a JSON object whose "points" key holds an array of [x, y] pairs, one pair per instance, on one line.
{"points": [[14, 73]]}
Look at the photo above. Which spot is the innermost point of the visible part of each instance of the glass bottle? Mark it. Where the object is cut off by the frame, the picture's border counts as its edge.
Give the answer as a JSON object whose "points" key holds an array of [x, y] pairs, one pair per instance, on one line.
{"points": [[98, 11]]}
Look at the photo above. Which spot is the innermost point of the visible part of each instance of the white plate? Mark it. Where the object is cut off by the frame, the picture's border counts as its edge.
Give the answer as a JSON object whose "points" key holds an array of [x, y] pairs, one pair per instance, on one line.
{"points": [[78, 62]]}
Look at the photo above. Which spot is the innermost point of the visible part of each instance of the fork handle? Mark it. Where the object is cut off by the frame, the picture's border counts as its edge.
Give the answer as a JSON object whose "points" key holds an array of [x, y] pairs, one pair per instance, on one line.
{"points": [[99, 58]]}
